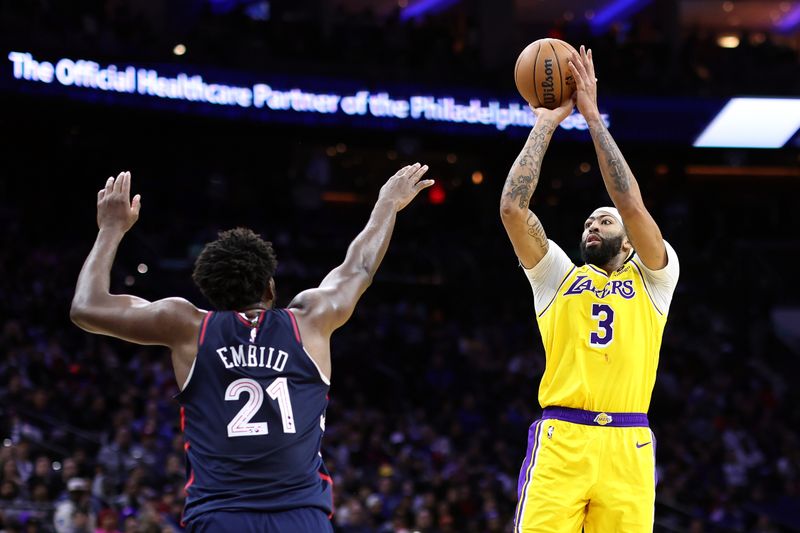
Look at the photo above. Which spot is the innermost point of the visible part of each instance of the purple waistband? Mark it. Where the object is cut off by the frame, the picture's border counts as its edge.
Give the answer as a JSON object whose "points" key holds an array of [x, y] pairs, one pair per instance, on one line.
{"points": [[595, 418]]}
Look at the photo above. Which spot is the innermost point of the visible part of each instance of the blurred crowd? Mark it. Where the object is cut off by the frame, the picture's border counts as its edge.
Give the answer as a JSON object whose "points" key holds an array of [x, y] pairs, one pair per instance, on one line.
{"points": [[642, 54], [435, 377]]}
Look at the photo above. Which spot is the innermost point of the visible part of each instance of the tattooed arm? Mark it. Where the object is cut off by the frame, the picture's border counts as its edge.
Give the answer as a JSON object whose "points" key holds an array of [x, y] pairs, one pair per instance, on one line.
{"points": [[622, 187], [523, 227]]}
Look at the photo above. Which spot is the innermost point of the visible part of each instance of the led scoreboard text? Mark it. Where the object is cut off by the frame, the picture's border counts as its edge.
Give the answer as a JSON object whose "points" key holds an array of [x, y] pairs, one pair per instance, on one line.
{"points": [[191, 87]]}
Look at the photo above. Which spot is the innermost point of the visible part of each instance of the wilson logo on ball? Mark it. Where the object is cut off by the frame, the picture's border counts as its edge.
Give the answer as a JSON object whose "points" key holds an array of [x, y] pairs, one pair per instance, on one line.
{"points": [[542, 73]]}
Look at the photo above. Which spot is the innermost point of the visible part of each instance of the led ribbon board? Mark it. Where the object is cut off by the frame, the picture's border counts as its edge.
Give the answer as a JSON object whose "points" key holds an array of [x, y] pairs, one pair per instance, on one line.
{"points": [[128, 83]]}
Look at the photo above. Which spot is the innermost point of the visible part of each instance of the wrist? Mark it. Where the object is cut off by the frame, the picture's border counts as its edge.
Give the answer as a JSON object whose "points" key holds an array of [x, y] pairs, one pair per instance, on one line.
{"points": [[111, 233], [545, 122], [593, 120], [385, 203]]}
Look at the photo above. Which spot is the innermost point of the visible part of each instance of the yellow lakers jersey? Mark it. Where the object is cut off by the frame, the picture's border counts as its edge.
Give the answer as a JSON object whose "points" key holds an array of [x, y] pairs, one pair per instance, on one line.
{"points": [[602, 336]]}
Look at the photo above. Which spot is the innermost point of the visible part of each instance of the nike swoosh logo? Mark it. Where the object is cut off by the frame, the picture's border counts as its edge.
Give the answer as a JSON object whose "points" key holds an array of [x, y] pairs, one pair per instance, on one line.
{"points": [[640, 445]]}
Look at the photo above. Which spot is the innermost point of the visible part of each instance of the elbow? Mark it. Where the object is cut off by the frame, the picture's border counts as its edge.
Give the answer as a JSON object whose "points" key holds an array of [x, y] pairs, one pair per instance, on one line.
{"points": [[77, 315], [508, 210], [80, 315]]}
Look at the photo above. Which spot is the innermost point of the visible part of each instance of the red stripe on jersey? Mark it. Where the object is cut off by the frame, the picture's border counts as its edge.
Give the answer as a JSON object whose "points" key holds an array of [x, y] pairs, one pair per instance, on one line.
{"points": [[294, 326], [329, 479], [189, 483], [244, 320], [203, 329], [183, 418]]}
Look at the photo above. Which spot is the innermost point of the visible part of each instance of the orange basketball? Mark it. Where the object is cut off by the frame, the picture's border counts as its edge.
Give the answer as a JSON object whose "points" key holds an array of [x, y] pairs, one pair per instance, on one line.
{"points": [[542, 73]]}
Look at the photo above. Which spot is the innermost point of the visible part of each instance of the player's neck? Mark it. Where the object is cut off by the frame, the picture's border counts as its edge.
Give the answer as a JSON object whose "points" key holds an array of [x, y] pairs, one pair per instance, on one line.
{"points": [[257, 307], [615, 263], [610, 268]]}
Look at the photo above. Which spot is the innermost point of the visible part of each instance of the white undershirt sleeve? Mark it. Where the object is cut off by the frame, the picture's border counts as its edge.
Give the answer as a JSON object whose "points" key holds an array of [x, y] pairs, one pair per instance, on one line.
{"points": [[661, 283], [546, 277]]}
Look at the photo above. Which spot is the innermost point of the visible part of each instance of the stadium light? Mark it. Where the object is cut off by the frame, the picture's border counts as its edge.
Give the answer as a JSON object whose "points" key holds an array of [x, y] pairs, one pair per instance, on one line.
{"points": [[752, 123]]}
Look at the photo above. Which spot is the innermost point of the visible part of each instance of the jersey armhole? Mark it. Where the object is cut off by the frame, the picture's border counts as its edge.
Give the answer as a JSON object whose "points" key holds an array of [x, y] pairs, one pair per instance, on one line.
{"points": [[646, 287], [201, 337], [293, 320], [294, 326]]}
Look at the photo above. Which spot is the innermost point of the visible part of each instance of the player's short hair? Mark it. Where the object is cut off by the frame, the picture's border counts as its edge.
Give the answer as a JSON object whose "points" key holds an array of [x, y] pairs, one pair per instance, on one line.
{"points": [[234, 271]]}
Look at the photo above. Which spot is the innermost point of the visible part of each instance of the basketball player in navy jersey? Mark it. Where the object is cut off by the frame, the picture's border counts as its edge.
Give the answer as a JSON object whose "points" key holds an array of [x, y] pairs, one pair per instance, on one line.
{"points": [[254, 379]]}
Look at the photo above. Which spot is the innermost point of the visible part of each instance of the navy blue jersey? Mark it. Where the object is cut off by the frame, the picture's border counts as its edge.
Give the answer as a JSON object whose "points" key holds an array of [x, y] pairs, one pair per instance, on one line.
{"points": [[253, 415]]}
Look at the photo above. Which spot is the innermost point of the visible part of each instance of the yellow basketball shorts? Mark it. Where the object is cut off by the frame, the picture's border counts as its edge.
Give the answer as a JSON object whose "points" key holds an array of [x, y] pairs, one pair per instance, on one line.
{"points": [[587, 470]]}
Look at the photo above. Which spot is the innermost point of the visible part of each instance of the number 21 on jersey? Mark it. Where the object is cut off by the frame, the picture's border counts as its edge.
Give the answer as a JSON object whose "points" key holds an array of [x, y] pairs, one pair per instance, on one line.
{"points": [[241, 426]]}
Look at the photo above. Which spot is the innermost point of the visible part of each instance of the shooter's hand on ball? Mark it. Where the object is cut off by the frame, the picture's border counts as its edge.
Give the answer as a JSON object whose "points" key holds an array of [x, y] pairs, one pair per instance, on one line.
{"points": [[115, 211], [556, 115], [582, 68]]}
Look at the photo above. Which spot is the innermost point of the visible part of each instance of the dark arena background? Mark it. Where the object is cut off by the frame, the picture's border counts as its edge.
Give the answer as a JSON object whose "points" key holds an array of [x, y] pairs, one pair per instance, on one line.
{"points": [[287, 117]]}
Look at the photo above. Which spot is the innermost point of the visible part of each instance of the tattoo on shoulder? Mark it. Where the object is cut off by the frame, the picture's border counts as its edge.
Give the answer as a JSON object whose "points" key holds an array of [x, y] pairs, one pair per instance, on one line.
{"points": [[536, 230]]}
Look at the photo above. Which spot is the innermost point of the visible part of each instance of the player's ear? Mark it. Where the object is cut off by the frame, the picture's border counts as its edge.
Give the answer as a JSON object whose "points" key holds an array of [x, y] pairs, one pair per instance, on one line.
{"points": [[269, 294], [627, 246]]}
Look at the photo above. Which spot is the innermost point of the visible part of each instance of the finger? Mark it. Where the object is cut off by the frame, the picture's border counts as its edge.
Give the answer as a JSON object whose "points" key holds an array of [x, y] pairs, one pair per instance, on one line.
{"points": [[590, 64], [577, 60], [109, 185], [417, 175], [401, 172], [136, 205], [100, 194], [119, 181], [578, 78], [412, 170], [424, 184], [126, 185]]}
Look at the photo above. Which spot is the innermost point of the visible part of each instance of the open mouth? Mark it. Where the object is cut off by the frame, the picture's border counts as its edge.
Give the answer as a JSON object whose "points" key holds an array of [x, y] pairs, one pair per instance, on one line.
{"points": [[593, 239]]}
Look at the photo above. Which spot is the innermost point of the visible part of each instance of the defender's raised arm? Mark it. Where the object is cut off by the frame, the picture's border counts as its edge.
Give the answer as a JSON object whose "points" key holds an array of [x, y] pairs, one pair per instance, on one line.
{"points": [[168, 322], [328, 307]]}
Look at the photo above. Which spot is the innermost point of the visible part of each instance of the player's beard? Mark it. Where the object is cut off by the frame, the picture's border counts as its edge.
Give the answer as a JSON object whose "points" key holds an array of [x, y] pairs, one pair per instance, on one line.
{"points": [[601, 254]]}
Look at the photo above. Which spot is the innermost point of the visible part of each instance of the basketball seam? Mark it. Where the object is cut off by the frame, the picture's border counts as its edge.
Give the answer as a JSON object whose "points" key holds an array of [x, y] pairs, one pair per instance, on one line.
{"points": [[560, 80], [535, 63]]}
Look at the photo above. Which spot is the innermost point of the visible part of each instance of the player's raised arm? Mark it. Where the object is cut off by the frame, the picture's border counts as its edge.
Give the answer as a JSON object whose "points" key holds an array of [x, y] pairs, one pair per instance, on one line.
{"points": [[642, 230], [522, 225], [169, 322], [329, 306]]}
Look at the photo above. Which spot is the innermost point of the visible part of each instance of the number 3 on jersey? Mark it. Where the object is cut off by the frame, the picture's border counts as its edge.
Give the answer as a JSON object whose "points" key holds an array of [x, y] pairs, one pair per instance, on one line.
{"points": [[241, 426], [603, 336]]}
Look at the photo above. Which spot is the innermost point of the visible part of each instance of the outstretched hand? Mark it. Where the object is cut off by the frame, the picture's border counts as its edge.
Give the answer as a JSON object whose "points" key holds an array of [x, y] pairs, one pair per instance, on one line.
{"points": [[582, 67], [115, 211], [405, 185]]}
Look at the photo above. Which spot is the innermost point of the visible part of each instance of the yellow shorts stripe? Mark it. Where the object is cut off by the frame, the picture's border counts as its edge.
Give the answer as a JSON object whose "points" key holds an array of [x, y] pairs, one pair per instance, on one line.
{"points": [[523, 493]]}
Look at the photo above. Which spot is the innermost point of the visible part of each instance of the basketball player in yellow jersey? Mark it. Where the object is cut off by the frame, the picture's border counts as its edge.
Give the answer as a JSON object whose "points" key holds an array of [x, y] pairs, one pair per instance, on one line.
{"points": [[590, 462]]}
